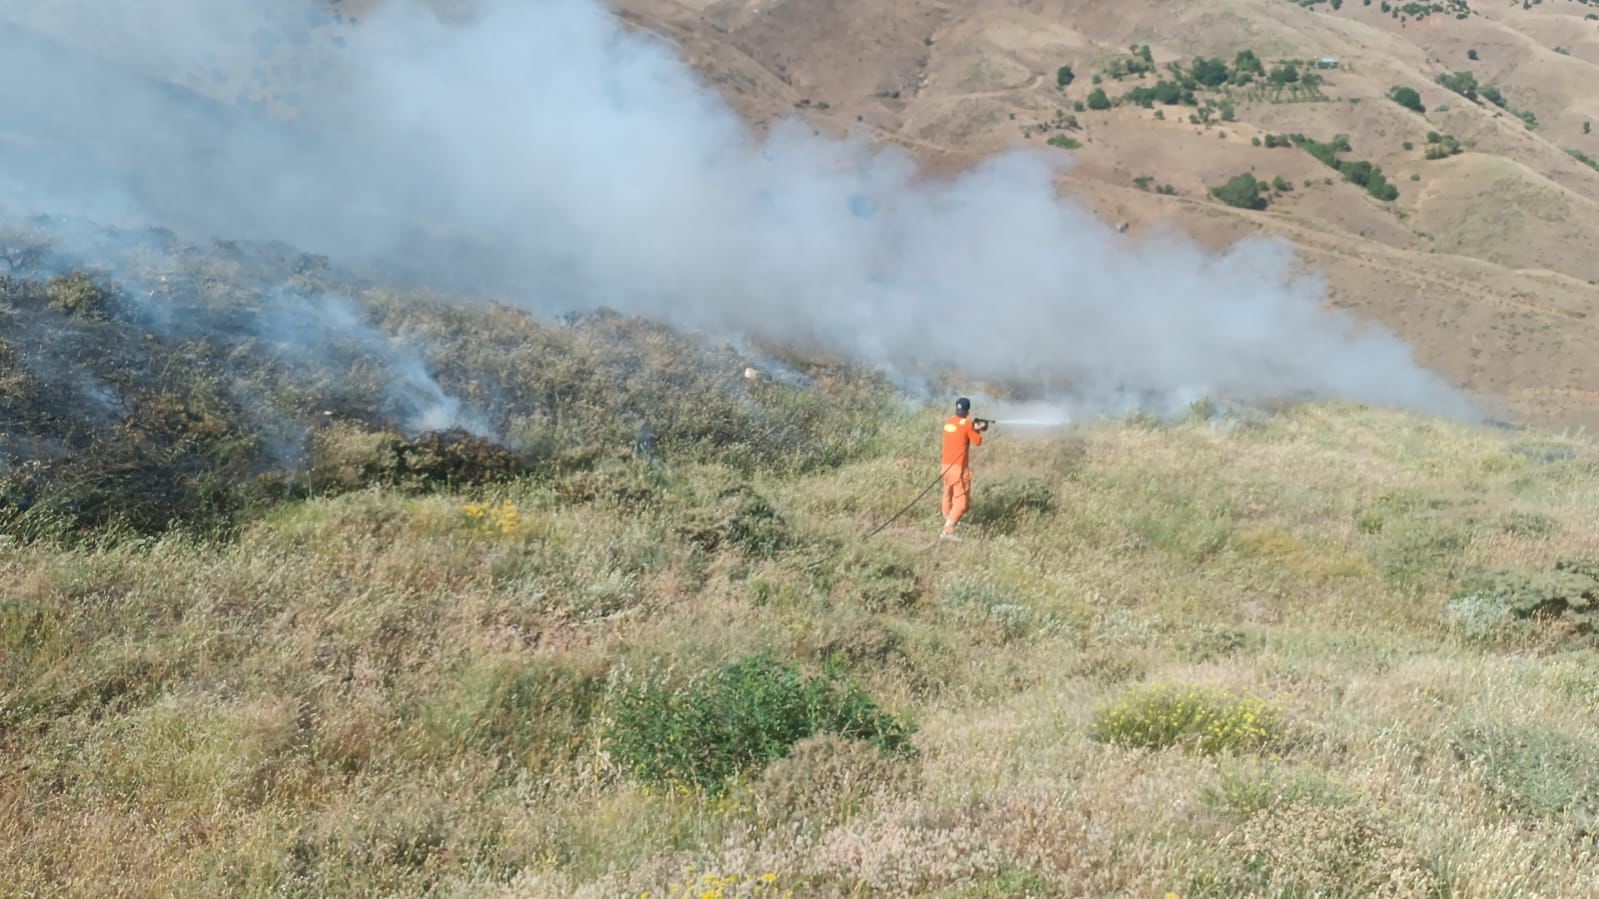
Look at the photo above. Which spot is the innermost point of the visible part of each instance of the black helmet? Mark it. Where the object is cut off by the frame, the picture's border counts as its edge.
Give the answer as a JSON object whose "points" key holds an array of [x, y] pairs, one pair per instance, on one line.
{"points": [[963, 406]]}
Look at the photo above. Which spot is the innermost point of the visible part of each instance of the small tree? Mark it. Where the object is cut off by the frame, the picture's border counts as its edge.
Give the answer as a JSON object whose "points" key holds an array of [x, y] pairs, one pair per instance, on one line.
{"points": [[1243, 192], [1492, 95], [1064, 76], [1281, 185], [1210, 72], [1287, 73], [1378, 186], [1407, 97], [1098, 100], [1247, 61], [1471, 55], [1462, 83]]}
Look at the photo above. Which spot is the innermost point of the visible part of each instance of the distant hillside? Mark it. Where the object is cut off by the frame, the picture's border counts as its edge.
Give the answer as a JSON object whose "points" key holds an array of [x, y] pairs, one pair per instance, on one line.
{"points": [[1482, 261]]}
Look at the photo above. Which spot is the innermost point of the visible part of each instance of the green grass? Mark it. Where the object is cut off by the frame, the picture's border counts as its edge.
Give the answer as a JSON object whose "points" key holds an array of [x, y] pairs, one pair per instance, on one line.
{"points": [[386, 692]]}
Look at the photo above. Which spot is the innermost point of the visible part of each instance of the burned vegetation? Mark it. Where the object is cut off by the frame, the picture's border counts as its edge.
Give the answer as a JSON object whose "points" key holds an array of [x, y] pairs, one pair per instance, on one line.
{"points": [[147, 384]]}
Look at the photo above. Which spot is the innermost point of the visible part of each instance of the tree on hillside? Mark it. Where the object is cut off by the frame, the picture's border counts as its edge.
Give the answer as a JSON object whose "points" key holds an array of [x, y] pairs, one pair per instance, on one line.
{"points": [[1064, 76], [1098, 99], [1243, 192], [1492, 95], [1287, 73], [1471, 55], [1210, 72], [1462, 83], [1247, 61], [1408, 97]]}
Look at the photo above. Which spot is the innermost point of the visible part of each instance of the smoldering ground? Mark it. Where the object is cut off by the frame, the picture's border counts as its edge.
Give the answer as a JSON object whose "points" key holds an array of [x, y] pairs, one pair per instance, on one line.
{"points": [[542, 154]]}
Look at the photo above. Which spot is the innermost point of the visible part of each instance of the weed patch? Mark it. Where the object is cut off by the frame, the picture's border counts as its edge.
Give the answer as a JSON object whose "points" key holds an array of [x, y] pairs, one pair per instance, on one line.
{"points": [[1200, 719], [703, 733]]}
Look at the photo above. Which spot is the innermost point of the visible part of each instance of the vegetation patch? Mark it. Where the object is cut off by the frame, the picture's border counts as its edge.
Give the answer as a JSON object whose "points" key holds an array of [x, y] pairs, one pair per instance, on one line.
{"points": [[1199, 719], [705, 732], [1563, 601]]}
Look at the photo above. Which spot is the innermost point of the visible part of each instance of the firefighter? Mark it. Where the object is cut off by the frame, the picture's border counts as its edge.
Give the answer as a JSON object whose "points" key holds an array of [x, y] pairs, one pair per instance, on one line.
{"points": [[961, 433]]}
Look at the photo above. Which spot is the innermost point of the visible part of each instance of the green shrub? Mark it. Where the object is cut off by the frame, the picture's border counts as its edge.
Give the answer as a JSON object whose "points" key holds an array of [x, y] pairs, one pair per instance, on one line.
{"points": [[1098, 100], [1242, 192], [1462, 83], [1281, 184], [1200, 719], [704, 733], [1408, 98], [1585, 159], [1064, 76], [1565, 599], [1065, 142]]}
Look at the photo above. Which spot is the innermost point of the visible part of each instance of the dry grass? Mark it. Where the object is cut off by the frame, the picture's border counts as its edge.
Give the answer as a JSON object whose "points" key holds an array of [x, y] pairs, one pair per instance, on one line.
{"points": [[381, 694]]}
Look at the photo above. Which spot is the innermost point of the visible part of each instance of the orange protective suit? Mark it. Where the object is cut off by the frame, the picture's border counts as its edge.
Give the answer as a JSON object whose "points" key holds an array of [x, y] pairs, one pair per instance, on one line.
{"points": [[959, 437]]}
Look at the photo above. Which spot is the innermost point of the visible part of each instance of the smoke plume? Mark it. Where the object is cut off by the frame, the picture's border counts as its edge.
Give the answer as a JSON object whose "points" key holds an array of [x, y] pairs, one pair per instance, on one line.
{"points": [[540, 153]]}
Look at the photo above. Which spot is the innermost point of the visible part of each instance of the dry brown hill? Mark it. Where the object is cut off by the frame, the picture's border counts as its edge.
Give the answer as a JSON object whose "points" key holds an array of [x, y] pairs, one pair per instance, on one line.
{"points": [[1485, 261]]}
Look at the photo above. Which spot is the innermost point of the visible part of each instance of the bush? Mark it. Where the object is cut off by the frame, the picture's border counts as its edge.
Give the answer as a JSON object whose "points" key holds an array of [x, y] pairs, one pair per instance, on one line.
{"points": [[704, 733], [1098, 99], [1408, 98], [1065, 142], [1462, 83], [1281, 184], [1242, 192], [1565, 600], [1200, 719], [1064, 76]]}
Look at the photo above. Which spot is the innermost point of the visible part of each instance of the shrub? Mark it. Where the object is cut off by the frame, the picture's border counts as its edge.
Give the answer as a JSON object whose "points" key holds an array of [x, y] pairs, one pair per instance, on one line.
{"points": [[1377, 185], [1098, 99], [1585, 159], [1243, 192], [1200, 719], [1209, 72], [1065, 142], [741, 716], [1287, 73], [1472, 54], [1248, 63], [1492, 94], [1064, 76], [1462, 83], [1408, 98], [1565, 599], [1281, 184]]}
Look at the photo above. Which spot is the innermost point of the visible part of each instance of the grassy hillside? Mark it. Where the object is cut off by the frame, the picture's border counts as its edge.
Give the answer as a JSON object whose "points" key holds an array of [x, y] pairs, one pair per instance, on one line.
{"points": [[1329, 651]]}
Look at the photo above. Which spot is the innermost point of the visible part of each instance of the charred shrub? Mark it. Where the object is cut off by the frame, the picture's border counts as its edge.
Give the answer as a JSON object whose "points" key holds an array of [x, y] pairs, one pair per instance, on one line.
{"points": [[349, 459]]}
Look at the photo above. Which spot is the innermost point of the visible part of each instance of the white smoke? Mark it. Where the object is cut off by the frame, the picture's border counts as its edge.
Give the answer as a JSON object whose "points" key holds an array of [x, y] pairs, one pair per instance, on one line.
{"points": [[542, 153]]}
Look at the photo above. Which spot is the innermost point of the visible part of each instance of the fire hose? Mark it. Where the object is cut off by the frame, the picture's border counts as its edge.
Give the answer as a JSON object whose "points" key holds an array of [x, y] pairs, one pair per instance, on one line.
{"points": [[982, 425]]}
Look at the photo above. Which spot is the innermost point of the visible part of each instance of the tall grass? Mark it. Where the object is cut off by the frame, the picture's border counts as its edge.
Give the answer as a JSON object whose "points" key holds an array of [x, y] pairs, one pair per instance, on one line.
{"points": [[392, 693]]}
